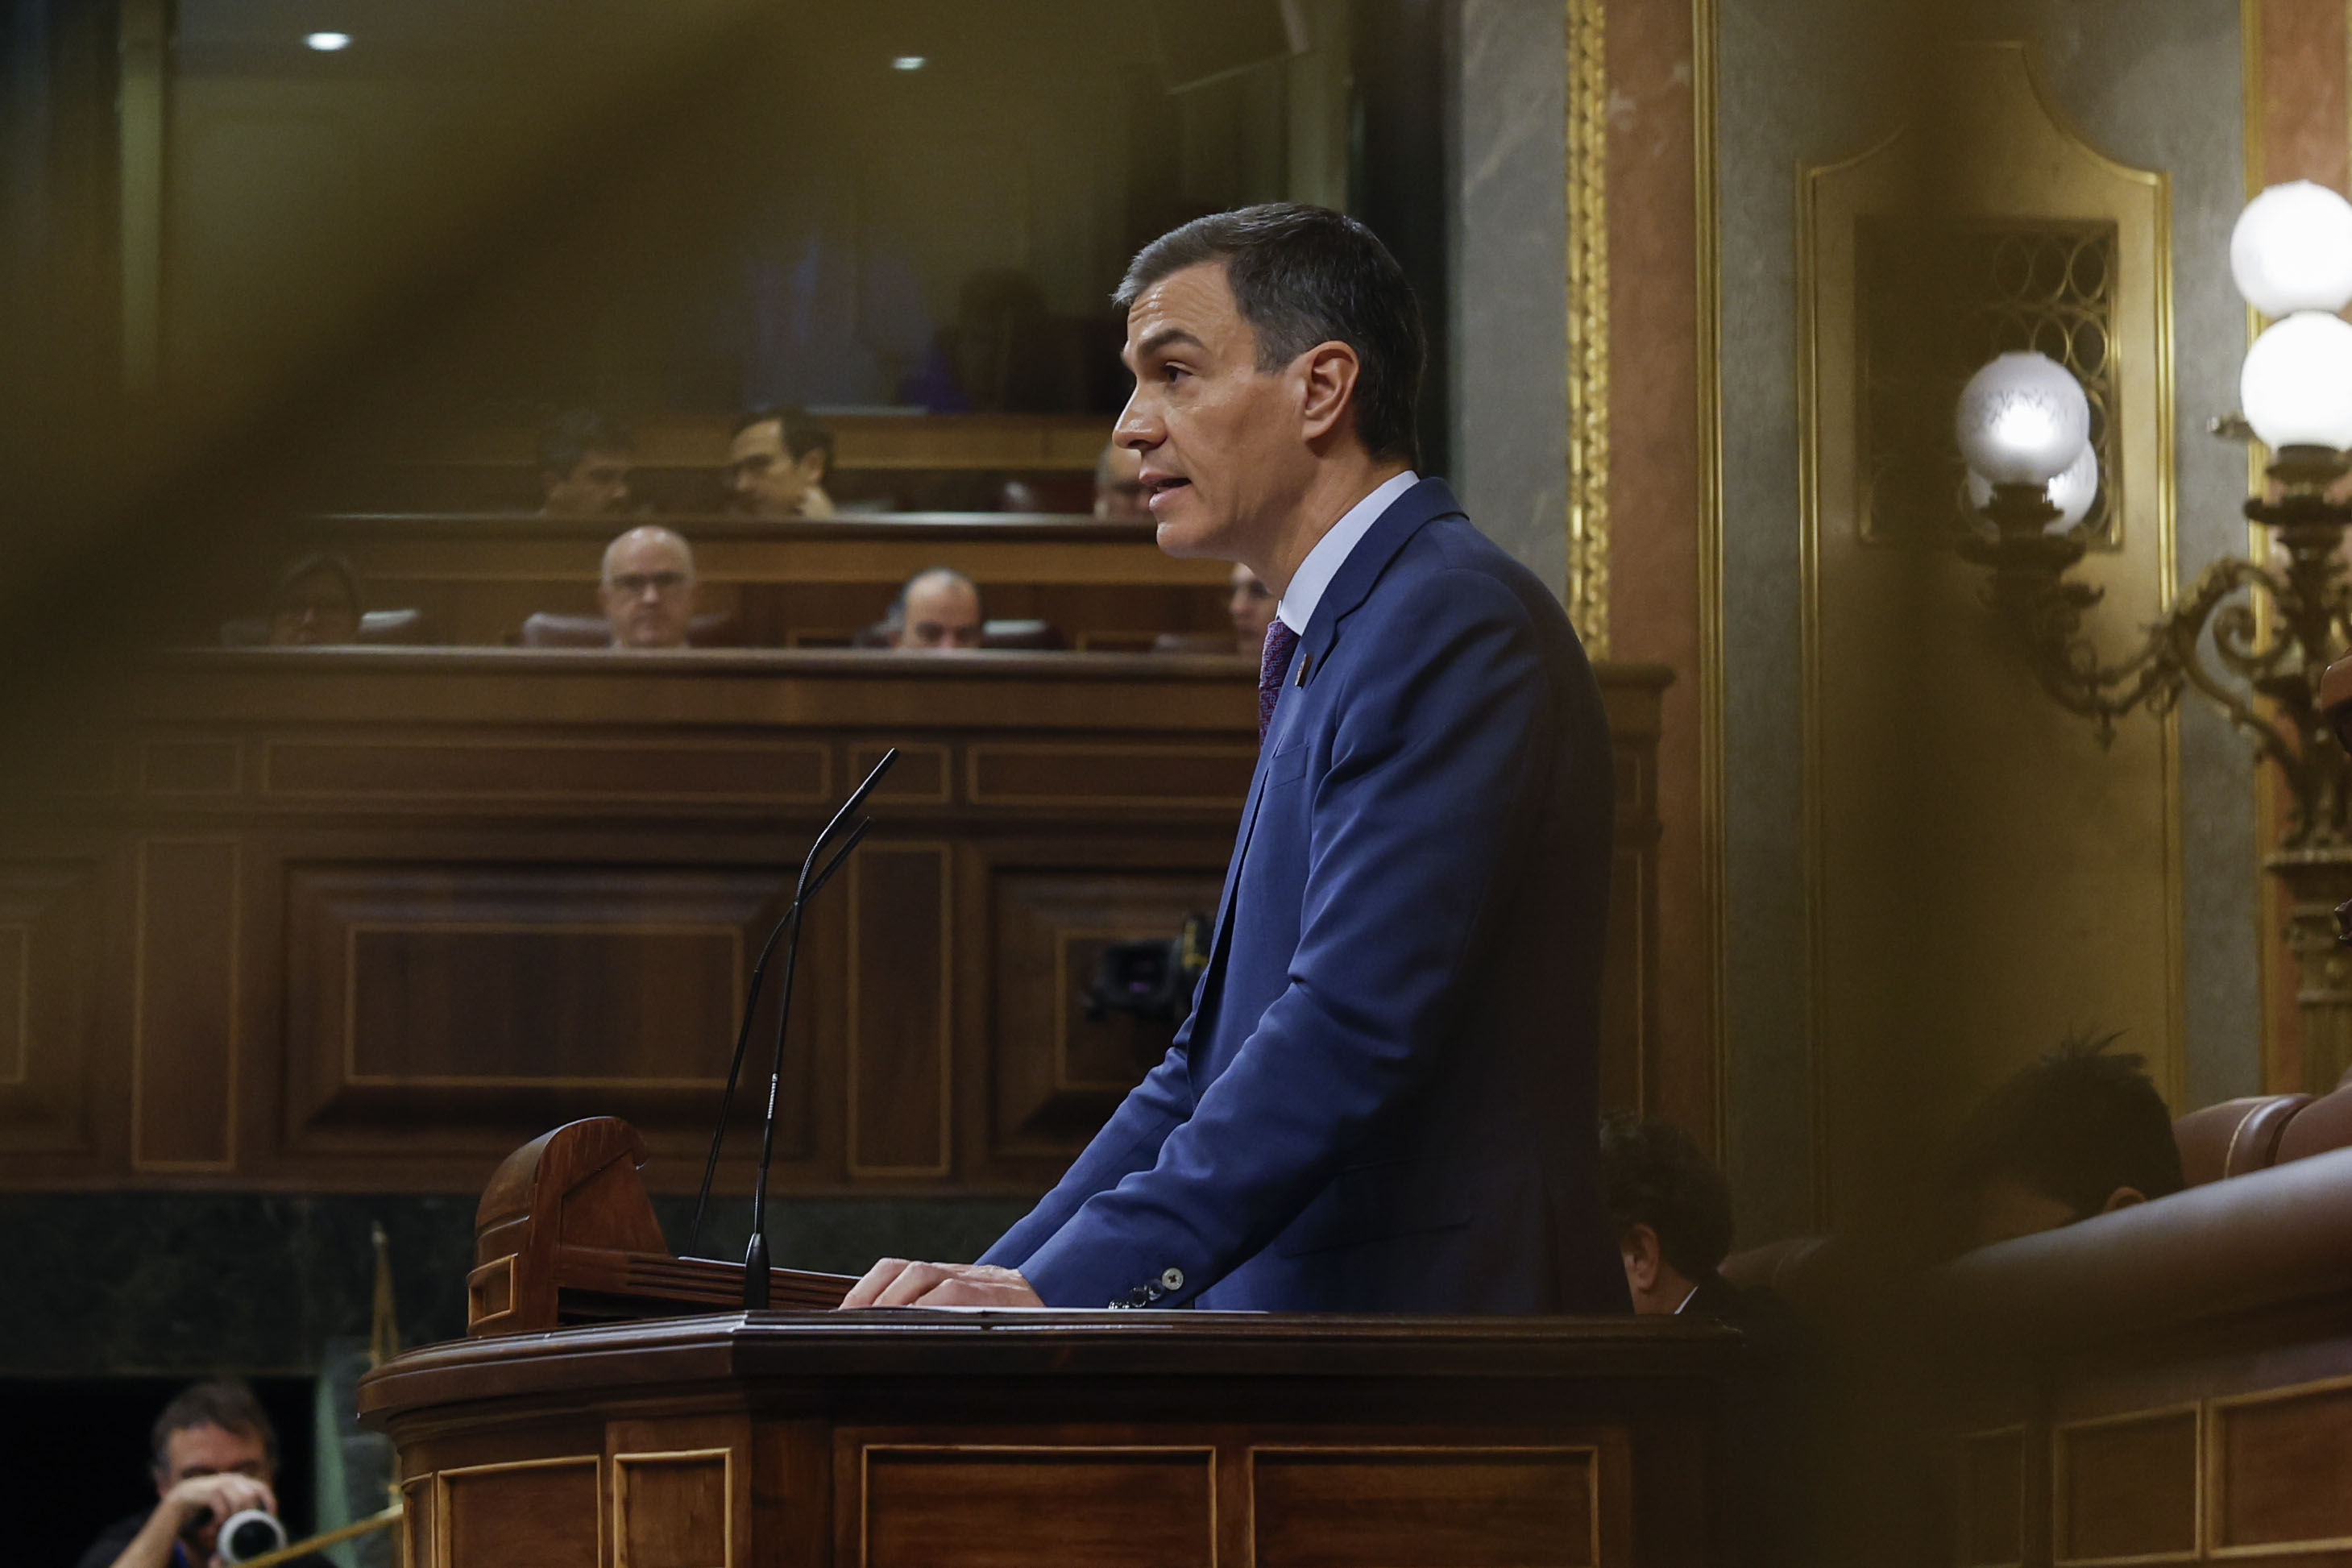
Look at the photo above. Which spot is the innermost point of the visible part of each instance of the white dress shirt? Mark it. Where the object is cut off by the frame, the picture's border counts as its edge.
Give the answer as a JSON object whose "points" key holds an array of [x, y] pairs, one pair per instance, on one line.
{"points": [[1331, 551]]}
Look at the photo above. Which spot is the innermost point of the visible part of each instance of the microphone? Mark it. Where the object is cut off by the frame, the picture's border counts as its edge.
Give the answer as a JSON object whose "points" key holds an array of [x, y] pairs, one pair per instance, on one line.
{"points": [[805, 890]]}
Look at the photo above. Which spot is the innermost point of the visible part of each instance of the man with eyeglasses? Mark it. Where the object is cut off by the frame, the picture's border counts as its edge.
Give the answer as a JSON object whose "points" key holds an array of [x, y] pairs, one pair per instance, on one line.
{"points": [[648, 589]]}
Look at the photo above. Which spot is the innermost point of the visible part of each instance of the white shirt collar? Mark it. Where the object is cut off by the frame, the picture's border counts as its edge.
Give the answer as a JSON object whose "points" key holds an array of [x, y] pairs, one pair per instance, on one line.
{"points": [[1331, 551], [1685, 1300]]}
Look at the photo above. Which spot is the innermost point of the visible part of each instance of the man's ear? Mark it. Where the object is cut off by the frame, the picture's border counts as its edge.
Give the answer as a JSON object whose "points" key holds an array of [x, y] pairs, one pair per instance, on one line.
{"points": [[2123, 1198], [1639, 1246], [1327, 374], [811, 464]]}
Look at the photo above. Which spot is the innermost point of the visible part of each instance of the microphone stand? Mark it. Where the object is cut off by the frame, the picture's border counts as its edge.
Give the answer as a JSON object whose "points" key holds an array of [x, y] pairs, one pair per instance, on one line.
{"points": [[806, 889]]}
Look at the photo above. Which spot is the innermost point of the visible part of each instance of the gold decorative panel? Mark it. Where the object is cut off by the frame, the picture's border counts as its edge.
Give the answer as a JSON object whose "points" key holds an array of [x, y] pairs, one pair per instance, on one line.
{"points": [[2124, 1489], [1983, 876]]}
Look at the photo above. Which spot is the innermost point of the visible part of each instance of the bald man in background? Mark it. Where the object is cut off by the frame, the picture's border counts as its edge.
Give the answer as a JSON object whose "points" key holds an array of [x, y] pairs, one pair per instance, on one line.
{"points": [[647, 590], [937, 612]]}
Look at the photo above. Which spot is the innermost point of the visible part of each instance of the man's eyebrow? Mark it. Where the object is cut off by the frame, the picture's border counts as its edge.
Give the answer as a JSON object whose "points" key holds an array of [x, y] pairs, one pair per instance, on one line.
{"points": [[1166, 337]]}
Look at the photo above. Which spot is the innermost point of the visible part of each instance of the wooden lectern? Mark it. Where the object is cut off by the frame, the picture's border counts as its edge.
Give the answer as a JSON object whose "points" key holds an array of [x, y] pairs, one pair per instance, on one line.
{"points": [[945, 1439]]}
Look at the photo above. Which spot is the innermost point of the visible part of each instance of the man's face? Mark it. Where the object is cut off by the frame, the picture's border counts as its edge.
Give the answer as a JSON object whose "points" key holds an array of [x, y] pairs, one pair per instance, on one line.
{"points": [[1252, 608], [1119, 486], [765, 477], [210, 1450], [1223, 447], [648, 591], [316, 612], [942, 614], [600, 483]]}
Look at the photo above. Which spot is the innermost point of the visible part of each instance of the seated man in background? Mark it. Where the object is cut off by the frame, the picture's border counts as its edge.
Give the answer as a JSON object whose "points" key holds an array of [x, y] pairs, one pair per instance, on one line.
{"points": [[1252, 607], [2077, 1133], [778, 464], [647, 590], [938, 609], [316, 604], [583, 464], [214, 1455], [1671, 1209], [1119, 486]]}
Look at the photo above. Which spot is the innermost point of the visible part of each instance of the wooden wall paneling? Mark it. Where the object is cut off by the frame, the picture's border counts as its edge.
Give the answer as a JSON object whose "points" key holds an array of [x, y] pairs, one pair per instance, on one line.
{"points": [[2279, 1472], [51, 972], [1006, 1505], [186, 997], [1055, 1075], [901, 1022], [1989, 1498], [681, 1492], [420, 1537], [435, 770], [523, 1513], [1093, 776], [456, 1003], [2125, 1489], [1339, 1507]]}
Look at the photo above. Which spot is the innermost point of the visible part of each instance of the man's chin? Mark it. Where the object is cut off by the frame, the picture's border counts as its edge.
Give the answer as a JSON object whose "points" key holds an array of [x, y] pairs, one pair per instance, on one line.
{"points": [[1183, 535]]}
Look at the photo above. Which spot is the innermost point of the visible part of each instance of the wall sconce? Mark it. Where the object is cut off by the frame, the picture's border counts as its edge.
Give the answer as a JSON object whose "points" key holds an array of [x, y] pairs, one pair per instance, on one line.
{"points": [[2023, 427]]}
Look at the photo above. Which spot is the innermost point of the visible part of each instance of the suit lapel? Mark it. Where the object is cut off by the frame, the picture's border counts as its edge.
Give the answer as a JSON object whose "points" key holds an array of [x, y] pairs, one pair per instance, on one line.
{"points": [[1406, 516]]}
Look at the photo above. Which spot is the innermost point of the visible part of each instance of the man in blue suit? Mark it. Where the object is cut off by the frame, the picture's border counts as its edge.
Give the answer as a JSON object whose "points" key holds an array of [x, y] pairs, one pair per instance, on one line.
{"points": [[1383, 1100]]}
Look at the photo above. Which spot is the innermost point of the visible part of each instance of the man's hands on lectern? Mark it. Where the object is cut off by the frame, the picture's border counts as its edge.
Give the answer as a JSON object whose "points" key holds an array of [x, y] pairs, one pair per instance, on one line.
{"points": [[895, 1282]]}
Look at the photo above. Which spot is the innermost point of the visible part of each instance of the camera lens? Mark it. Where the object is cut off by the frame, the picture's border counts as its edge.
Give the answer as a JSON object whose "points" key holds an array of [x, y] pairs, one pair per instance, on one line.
{"points": [[248, 1535]]}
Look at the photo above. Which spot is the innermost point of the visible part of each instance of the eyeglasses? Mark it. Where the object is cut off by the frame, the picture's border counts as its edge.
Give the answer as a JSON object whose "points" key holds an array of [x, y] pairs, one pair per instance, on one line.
{"points": [[631, 584]]}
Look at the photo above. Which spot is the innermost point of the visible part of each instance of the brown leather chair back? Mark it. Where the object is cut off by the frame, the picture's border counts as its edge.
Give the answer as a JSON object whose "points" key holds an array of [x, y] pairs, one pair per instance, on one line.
{"points": [[2324, 1125], [2235, 1136], [548, 629]]}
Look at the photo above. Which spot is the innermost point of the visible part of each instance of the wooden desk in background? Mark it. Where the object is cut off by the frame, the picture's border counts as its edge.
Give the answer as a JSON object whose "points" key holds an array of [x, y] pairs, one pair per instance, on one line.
{"points": [[1106, 585], [367, 918]]}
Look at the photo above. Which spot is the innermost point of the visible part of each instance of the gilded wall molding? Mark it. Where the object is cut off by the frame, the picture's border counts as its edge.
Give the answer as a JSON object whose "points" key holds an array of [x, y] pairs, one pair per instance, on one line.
{"points": [[1712, 836], [1588, 324]]}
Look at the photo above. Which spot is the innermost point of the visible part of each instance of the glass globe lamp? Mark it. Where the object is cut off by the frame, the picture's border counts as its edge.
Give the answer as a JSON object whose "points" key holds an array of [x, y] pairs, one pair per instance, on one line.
{"points": [[2297, 386], [2292, 250], [2022, 420], [2070, 492]]}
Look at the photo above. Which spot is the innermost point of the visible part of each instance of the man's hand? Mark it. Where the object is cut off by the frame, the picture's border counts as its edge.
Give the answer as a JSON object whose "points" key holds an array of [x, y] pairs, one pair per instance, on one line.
{"points": [[895, 1282], [222, 1495]]}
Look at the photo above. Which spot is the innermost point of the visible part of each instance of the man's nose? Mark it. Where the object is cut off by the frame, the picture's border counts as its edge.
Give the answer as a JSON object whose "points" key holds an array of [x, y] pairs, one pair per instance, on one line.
{"points": [[1137, 430]]}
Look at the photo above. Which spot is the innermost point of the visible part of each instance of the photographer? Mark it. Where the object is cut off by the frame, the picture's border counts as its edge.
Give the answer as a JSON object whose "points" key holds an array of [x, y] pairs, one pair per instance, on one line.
{"points": [[214, 1455]]}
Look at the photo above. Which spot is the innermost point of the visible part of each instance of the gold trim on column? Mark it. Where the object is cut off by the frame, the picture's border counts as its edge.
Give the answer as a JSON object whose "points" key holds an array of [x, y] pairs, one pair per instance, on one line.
{"points": [[1587, 326], [1705, 202]]}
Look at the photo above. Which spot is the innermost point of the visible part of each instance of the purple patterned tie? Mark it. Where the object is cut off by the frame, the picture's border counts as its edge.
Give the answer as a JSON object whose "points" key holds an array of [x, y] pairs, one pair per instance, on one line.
{"points": [[1281, 642]]}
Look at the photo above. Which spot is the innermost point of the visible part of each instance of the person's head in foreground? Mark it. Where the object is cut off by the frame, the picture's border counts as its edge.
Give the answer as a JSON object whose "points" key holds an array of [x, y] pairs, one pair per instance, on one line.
{"points": [[583, 464], [938, 610], [1669, 1207], [648, 589], [1278, 354], [2080, 1133], [1118, 486], [777, 465], [1251, 606], [316, 604], [215, 1455]]}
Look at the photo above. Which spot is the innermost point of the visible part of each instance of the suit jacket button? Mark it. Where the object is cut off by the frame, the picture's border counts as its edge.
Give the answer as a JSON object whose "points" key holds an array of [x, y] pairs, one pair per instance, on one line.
{"points": [[1172, 1280]]}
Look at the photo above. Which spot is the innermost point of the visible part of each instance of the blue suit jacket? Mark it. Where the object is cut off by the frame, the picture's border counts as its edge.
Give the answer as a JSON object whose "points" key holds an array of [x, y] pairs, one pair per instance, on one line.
{"points": [[1383, 1099]]}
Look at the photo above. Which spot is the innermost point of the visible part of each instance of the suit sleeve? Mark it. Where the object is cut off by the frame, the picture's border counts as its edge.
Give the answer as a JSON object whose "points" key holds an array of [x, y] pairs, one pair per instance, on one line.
{"points": [[1127, 1142], [1436, 762]]}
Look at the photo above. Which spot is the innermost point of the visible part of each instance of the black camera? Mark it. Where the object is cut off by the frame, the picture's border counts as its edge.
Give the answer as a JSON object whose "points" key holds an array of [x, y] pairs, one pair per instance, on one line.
{"points": [[1151, 980]]}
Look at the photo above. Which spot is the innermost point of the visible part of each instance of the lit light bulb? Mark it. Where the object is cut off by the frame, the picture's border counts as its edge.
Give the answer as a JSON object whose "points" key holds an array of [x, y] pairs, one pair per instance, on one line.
{"points": [[2297, 386], [2292, 250], [2022, 420], [2070, 492], [908, 63], [329, 43]]}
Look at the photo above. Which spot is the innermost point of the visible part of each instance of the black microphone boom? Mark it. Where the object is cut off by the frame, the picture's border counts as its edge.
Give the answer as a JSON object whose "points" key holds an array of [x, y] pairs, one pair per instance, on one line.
{"points": [[805, 888]]}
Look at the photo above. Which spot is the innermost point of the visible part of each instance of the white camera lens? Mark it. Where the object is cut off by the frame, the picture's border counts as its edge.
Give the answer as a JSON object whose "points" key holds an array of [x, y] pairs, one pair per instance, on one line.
{"points": [[245, 1536]]}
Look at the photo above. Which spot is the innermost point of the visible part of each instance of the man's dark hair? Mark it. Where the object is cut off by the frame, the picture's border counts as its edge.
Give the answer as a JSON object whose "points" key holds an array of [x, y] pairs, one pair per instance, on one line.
{"points": [[223, 1402], [565, 440], [1303, 276], [2072, 1127], [322, 563], [803, 432], [1654, 1174]]}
